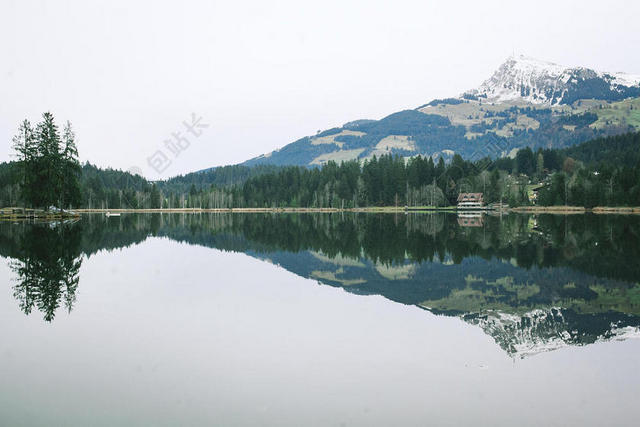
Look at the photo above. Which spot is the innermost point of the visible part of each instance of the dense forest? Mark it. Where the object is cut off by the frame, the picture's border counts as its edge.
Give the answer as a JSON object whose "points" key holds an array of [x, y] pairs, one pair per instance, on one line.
{"points": [[604, 171], [600, 172], [222, 176]]}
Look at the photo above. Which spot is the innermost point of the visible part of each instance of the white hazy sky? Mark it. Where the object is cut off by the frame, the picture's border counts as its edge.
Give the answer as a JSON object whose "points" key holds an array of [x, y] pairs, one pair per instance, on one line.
{"points": [[263, 74]]}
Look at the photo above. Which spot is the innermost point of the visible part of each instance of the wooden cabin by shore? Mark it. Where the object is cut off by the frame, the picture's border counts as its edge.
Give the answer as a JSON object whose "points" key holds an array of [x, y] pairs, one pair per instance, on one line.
{"points": [[470, 201], [470, 219]]}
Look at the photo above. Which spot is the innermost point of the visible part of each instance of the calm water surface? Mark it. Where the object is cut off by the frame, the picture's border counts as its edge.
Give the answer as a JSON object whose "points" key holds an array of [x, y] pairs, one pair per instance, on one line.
{"points": [[330, 319]]}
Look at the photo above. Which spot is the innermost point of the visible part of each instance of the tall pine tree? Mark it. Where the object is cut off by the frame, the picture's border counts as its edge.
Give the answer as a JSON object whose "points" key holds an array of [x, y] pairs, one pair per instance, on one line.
{"points": [[49, 176], [24, 144], [71, 169], [48, 165]]}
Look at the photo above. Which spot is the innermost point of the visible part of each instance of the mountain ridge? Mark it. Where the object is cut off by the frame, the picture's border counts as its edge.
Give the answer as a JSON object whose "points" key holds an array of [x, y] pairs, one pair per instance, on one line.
{"points": [[540, 82], [525, 103]]}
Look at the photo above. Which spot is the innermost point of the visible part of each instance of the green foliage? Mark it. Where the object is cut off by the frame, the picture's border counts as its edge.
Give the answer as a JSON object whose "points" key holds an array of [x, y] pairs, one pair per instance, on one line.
{"points": [[525, 161], [602, 172], [47, 164], [446, 101], [156, 202], [222, 176], [622, 150], [384, 181], [584, 119], [390, 180]]}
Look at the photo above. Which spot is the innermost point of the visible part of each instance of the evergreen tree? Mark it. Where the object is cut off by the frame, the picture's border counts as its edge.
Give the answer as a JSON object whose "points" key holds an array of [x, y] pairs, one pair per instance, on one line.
{"points": [[24, 145], [49, 159], [71, 170], [156, 198], [49, 166], [525, 161]]}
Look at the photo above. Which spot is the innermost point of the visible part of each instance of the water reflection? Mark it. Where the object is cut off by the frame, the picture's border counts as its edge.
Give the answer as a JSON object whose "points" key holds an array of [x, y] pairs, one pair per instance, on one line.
{"points": [[46, 262], [533, 283]]}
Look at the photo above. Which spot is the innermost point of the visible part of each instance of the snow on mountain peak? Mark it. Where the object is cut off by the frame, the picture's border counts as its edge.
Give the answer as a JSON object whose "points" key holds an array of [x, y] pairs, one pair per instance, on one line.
{"points": [[523, 78], [542, 330], [529, 64]]}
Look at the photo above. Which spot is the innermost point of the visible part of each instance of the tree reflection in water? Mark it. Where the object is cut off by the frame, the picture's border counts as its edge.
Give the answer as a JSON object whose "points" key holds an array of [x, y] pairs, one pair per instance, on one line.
{"points": [[533, 283], [47, 268]]}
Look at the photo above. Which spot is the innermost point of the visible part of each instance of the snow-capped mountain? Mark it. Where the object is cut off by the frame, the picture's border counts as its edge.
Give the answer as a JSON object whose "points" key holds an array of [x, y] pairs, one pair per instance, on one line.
{"points": [[468, 126], [521, 78], [543, 330]]}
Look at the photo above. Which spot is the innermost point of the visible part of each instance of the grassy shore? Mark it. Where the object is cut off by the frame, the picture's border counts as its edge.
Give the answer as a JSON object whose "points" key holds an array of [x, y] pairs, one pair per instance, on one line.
{"points": [[566, 210], [616, 210], [374, 209]]}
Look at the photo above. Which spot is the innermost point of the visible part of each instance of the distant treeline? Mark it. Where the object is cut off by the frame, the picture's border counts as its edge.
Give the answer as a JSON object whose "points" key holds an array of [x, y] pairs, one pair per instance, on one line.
{"points": [[222, 176], [601, 172]]}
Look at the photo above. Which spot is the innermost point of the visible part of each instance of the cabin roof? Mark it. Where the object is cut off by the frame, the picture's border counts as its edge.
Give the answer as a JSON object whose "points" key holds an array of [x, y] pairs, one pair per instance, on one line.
{"points": [[470, 197]]}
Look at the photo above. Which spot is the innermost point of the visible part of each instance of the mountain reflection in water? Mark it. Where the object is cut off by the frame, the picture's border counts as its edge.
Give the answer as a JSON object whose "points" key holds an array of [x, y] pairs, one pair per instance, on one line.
{"points": [[534, 283]]}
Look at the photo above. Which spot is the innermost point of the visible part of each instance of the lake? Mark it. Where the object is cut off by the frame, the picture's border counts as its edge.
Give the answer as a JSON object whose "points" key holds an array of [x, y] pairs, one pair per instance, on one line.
{"points": [[321, 319]]}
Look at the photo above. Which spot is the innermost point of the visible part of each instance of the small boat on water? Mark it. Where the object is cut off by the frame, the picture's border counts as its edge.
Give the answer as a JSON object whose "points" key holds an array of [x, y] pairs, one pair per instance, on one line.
{"points": [[112, 214]]}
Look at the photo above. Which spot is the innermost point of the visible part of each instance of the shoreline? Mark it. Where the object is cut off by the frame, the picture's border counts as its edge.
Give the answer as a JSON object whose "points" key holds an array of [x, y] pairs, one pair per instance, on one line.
{"points": [[19, 213], [557, 210], [569, 210]]}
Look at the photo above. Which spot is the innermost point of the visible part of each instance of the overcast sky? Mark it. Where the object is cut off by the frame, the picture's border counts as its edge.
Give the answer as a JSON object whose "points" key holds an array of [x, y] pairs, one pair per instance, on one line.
{"points": [[262, 74]]}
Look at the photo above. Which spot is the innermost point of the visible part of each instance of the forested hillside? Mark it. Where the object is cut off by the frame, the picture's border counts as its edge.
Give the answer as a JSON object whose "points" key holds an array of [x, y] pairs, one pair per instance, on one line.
{"points": [[622, 150], [222, 176], [576, 176]]}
